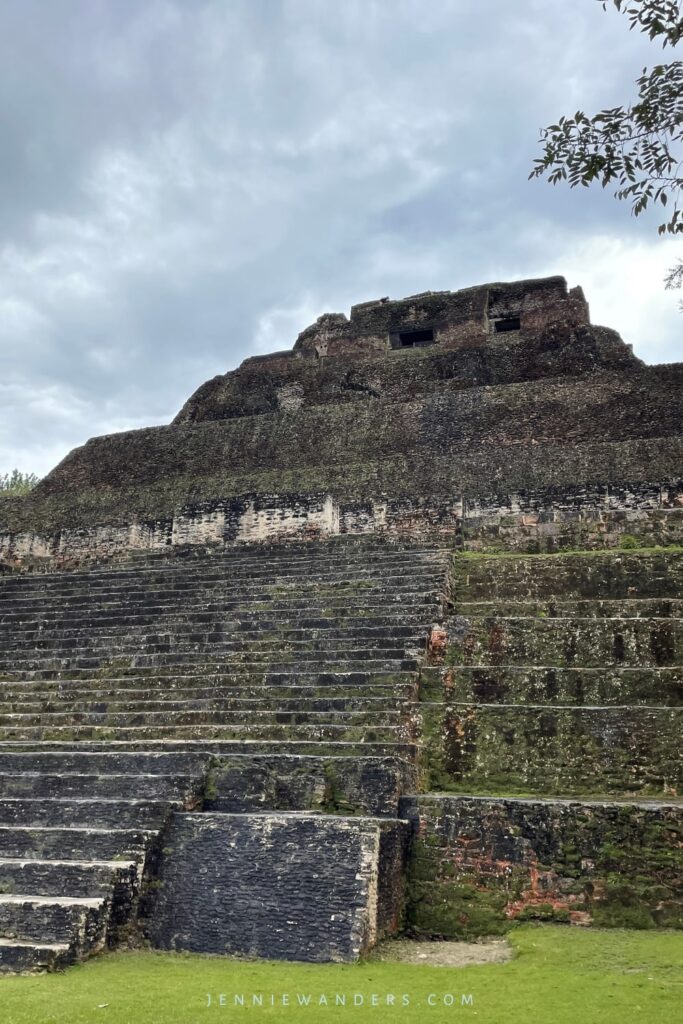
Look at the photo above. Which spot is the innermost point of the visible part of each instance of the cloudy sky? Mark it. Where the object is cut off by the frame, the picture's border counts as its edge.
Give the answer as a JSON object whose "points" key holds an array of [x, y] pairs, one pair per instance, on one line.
{"points": [[185, 183]]}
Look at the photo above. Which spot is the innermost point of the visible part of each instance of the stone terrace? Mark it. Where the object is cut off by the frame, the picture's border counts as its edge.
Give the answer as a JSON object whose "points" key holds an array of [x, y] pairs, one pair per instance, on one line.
{"points": [[556, 713]]}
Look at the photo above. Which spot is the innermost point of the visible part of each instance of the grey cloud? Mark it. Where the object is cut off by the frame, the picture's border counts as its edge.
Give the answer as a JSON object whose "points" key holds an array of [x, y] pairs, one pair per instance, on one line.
{"points": [[184, 183]]}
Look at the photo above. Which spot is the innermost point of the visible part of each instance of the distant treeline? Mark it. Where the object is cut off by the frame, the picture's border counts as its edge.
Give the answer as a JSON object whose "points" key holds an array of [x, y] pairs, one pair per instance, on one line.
{"points": [[17, 482]]}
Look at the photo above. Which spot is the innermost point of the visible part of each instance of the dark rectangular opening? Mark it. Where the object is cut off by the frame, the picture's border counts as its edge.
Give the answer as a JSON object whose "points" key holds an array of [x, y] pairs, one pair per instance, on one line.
{"points": [[507, 323], [407, 339]]}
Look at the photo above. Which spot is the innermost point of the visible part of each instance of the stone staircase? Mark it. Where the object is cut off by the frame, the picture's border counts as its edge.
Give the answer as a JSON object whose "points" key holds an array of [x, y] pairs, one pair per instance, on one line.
{"points": [[78, 829], [266, 679]]}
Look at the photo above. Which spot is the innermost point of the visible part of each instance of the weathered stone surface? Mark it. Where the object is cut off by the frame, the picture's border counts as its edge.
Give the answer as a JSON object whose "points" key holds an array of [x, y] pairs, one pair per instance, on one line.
{"points": [[336, 785], [546, 749], [80, 923], [616, 642], [282, 886], [54, 842], [481, 864], [583, 686], [20, 957], [576, 575]]}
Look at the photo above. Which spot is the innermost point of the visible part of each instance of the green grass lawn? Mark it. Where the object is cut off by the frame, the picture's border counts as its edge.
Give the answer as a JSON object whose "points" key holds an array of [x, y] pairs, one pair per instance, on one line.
{"points": [[559, 976]]}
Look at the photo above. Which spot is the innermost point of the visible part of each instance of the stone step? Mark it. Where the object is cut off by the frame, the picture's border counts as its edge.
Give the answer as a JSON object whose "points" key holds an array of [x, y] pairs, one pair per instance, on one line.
{"points": [[243, 783], [299, 607], [92, 812], [66, 703], [14, 698], [383, 593], [396, 582], [342, 545], [186, 763], [49, 842], [219, 656], [22, 957], [604, 608], [251, 561], [203, 623], [233, 566], [270, 576], [188, 622], [185, 789], [219, 716], [217, 641], [209, 727], [196, 674], [84, 878], [283, 659], [114, 623], [160, 631], [209, 745], [322, 575], [80, 922], [584, 642], [538, 684], [415, 605], [354, 661], [582, 575]]}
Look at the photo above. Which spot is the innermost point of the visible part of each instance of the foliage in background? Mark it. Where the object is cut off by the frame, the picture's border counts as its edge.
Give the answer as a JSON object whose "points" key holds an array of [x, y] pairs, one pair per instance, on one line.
{"points": [[17, 482], [635, 147]]}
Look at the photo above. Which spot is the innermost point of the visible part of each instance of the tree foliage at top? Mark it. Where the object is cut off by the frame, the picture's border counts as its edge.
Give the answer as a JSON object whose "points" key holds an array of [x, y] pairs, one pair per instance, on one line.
{"points": [[17, 482], [636, 147]]}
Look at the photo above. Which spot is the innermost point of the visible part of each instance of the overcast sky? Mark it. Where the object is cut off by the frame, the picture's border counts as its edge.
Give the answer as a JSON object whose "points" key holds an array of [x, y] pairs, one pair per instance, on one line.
{"points": [[185, 183]]}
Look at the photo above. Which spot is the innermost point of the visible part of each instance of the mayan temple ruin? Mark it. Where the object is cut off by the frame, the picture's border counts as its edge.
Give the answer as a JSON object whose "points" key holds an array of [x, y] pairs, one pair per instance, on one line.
{"points": [[381, 634]]}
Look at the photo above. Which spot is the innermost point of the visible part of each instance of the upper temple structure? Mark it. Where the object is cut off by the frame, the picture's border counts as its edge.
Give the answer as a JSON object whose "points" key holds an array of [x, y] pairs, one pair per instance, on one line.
{"points": [[414, 417], [382, 635]]}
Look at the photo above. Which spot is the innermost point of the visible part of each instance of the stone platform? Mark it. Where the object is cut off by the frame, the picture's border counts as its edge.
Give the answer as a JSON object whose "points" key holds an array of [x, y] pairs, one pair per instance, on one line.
{"points": [[290, 886]]}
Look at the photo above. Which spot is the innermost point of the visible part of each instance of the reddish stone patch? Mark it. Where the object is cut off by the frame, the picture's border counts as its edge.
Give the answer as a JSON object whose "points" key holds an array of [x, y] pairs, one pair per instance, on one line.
{"points": [[438, 641]]}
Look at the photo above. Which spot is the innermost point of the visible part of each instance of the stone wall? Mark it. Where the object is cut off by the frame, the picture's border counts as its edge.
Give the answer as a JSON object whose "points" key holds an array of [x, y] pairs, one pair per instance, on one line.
{"points": [[480, 748], [490, 436], [533, 520], [339, 785], [577, 576], [280, 886], [481, 864]]}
